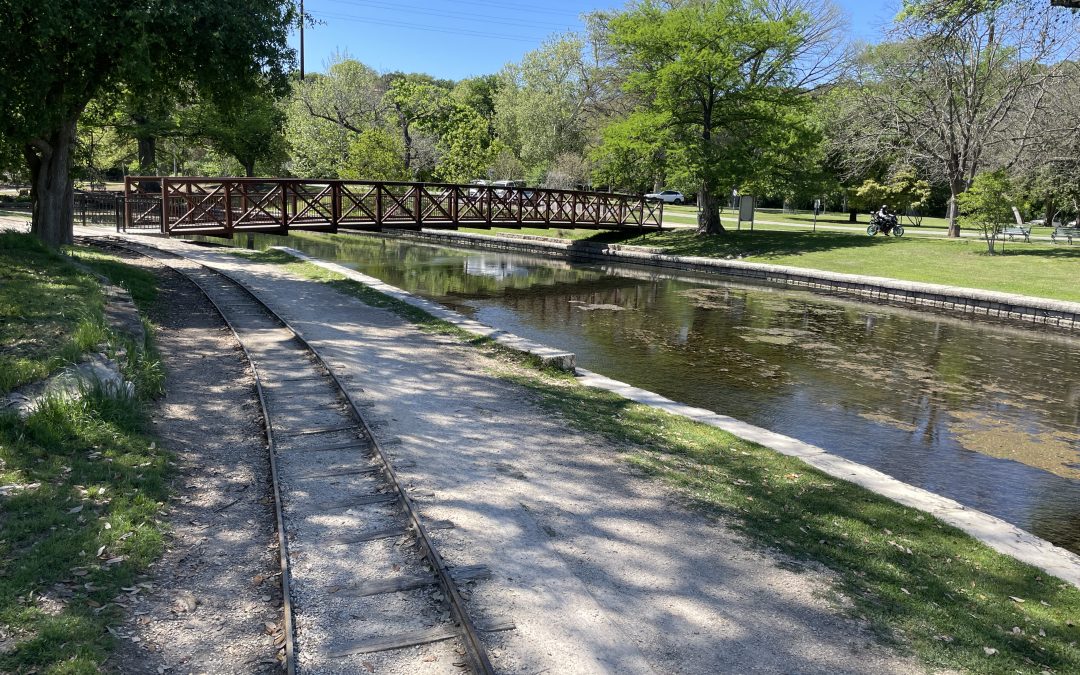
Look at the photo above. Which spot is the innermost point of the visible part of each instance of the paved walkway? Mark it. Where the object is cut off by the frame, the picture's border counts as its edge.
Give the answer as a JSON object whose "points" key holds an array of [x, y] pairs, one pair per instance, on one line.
{"points": [[601, 569]]}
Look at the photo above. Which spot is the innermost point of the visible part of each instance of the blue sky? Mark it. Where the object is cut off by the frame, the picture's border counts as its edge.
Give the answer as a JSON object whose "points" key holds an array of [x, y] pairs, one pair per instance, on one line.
{"points": [[459, 38]]}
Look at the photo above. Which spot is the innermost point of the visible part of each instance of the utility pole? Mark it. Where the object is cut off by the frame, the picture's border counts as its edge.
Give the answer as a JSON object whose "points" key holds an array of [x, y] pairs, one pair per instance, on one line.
{"points": [[301, 39]]}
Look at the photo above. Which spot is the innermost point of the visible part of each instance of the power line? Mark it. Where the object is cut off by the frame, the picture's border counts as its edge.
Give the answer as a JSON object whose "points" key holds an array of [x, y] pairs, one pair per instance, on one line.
{"points": [[468, 16], [427, 28], [524, 9]]}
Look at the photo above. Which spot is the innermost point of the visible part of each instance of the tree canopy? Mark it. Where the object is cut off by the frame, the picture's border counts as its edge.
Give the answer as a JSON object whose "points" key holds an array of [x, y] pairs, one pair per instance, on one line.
{"points": [[58, 56]]}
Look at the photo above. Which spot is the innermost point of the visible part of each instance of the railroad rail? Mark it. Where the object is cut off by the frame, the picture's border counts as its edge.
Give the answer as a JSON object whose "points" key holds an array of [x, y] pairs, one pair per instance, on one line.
{"points": [[319, 435], [227, 206]]}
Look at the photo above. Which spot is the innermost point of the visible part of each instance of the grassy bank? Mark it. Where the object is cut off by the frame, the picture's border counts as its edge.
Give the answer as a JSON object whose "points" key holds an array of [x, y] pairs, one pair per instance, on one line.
{"points": [[927, 586], [1039, 269], [83, 480]]}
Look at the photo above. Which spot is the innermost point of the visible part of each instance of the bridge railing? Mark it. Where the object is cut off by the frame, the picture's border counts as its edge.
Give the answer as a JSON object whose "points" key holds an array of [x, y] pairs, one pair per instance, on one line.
{"points": [[228, 205]]}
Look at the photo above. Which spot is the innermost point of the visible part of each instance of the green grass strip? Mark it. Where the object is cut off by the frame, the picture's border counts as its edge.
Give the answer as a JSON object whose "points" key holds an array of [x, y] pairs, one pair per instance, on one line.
{"points": [[50, 312], [923, 585], [79, 522]]}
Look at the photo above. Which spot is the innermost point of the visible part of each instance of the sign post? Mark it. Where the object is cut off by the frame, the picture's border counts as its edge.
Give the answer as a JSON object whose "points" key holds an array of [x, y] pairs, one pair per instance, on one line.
{"points": [[746, 210]]}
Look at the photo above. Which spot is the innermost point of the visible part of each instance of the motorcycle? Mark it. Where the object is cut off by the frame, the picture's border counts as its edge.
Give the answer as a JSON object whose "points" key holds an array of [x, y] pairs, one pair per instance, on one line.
{"points": [[886, 225]]}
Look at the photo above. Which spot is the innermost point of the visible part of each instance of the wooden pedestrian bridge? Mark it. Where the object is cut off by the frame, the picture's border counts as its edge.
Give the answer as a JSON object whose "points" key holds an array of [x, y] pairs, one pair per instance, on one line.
{"points": [[222, 207]]}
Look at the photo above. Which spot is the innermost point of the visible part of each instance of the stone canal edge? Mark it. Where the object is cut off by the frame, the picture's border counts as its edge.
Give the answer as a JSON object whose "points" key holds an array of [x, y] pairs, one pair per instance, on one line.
{"points": [[990, 530]]}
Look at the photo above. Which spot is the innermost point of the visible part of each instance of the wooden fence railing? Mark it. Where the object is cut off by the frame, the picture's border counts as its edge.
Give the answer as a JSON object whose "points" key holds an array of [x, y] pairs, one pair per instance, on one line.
{"points": [[224, 206]]}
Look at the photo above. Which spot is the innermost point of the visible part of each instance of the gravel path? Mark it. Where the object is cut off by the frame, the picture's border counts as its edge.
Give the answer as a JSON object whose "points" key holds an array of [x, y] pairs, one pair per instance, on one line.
{"points": [[205, 606], [601, 569]]}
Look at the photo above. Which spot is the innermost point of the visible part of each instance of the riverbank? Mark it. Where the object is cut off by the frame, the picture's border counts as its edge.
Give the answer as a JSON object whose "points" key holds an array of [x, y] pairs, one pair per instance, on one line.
{"points": [[954, 300], [1040, 270], [954, 600]]}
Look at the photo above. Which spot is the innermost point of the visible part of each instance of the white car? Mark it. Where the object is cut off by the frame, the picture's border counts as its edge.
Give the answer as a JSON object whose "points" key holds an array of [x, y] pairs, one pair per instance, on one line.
{"points": [[667, 196], [1040, 222]]}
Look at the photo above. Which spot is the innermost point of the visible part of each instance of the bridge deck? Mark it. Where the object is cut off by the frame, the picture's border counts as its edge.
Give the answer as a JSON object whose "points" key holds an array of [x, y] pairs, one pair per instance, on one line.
{"points": [[226, 206]]}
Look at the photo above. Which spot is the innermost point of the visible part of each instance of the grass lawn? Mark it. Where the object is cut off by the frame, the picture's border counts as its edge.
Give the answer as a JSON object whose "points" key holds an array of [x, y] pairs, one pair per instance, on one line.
{"points": [[929, 587], [50, 313], [84, 482], [688, 214], [1042, 270]]}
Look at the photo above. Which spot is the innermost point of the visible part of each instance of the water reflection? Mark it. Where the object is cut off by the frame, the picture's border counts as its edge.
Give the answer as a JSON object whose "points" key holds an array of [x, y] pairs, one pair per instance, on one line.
{"points": [[987, 415]]}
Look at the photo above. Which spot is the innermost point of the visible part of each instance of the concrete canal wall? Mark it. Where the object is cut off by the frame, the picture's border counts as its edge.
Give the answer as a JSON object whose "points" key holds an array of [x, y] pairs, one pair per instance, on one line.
{"points": [[952, 300]]}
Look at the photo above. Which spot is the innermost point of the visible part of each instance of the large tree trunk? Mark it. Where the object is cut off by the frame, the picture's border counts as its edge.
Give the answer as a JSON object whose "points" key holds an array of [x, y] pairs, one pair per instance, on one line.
{"points": [[708, 211], [147, 155], [51, 191], [955, 188], [1051, 211], [249, 169], [853, 216]]}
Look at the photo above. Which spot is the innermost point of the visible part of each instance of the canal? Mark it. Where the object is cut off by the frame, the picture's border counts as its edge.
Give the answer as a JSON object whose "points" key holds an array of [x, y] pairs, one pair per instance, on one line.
{"points": [[985, 414]]}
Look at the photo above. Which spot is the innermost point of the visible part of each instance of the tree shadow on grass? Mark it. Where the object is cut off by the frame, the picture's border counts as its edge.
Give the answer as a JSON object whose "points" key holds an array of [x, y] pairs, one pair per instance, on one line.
{"points": [[763, 243], [1044, 252]]}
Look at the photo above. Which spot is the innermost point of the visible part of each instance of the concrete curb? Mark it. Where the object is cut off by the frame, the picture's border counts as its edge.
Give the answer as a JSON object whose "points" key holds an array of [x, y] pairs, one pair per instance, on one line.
{"points": [[953, 299], [549, 356]]}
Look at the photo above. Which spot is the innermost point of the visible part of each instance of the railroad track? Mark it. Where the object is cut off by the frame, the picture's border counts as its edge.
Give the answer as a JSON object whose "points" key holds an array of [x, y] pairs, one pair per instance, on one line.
{"points": [[336, 496]]}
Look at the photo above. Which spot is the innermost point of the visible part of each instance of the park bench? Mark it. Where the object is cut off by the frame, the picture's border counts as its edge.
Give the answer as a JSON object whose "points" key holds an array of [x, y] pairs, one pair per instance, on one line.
{"points": [[1066, 233], [1017, 231]]}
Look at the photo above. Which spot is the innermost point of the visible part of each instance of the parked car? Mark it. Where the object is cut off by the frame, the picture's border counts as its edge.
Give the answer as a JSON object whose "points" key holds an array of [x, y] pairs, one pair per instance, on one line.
{"points": [[1041, 222], [510, 186], [474, 191], [667, 196]]}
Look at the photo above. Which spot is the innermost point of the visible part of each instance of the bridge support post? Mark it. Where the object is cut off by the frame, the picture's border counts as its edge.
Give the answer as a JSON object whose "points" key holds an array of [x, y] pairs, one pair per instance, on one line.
{"points": [[227, 188], [335, 205], [284, 208], [127, 203], [165, 206]]}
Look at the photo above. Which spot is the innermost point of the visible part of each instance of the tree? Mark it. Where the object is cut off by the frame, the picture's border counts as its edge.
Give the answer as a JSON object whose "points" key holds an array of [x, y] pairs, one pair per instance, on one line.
{"points": [[910, 193], [375, 154], [316, 145], [633, 155], [567, 172], [249, 130], [987, 205], [419, 106], [543, 105], [479, 94], [959, 94], [871, 194], [464, 143], [730, 76], [57, 57], [349, 95]]}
